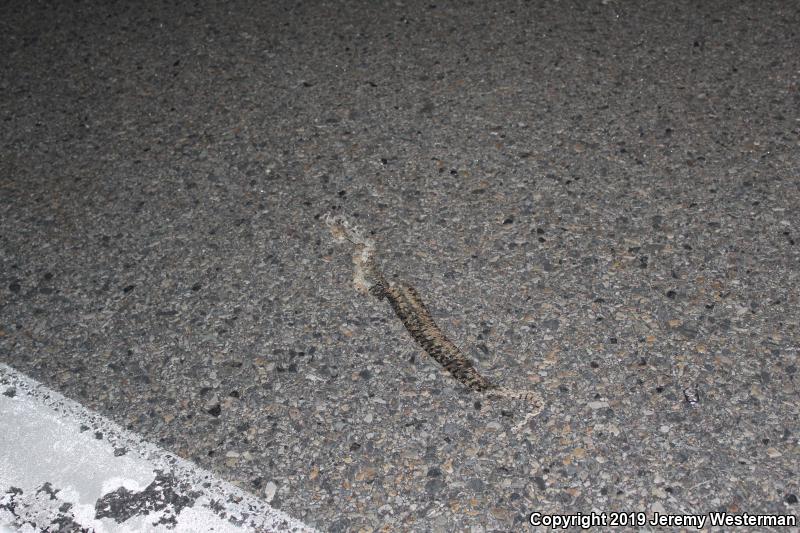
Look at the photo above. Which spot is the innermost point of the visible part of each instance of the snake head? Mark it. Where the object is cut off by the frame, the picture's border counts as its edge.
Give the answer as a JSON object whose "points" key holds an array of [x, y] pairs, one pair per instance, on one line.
{"points": [[343, 230]]}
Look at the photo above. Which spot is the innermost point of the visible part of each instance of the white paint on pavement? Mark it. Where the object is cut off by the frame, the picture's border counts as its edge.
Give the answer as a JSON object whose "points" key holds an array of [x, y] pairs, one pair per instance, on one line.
{"points": [[65, 467]]}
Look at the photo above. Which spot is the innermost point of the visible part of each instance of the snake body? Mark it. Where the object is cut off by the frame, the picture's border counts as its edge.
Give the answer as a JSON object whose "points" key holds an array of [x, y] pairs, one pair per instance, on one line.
{"points": [[412, 312], [417, 319]]}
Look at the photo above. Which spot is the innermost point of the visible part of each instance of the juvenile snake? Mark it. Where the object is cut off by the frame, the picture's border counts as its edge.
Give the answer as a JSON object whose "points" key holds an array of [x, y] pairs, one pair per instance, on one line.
{"points": [[412, 312]]}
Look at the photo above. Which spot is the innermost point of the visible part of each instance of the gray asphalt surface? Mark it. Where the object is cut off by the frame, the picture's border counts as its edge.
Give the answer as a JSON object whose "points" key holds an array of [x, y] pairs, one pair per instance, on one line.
{"points": [[598, 200]]}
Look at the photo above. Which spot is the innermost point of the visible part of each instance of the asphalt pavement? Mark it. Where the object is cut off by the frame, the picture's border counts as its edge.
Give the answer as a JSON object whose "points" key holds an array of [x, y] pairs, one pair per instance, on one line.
{"points": [[596, 200]]}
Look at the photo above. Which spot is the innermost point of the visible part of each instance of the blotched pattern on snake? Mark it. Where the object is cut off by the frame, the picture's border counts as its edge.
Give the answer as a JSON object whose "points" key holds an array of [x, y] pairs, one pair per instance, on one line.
{"points": [[412, 312]]}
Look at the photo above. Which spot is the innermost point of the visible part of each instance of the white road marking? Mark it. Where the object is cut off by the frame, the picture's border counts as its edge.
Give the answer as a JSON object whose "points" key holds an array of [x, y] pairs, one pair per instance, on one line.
{"points": [[64, 466]]}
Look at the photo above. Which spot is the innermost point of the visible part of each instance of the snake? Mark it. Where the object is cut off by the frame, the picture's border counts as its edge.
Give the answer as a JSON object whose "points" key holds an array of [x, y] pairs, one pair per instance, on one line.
{"points": [[405, 301]]}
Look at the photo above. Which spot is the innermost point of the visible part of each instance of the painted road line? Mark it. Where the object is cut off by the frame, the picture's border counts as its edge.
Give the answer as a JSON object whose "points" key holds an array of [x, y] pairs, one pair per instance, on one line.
{"points": [[66, 468]]}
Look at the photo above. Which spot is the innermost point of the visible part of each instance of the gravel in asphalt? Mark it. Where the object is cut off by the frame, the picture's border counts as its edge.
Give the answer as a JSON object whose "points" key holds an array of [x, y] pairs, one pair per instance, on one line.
{"points": [[598, 200]]}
